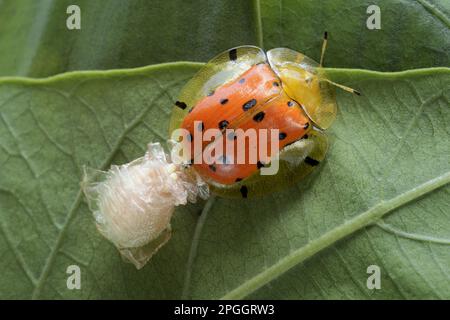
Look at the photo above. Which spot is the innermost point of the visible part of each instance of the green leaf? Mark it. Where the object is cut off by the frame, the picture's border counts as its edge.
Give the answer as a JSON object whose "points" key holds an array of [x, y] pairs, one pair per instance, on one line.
{"points": [[413, 34], [50, 129], [381, 197], [388, 158], [34, 40]]}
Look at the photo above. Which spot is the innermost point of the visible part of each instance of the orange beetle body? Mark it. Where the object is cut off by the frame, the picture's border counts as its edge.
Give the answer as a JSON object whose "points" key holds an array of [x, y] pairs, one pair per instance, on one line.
{"points": [[253, 101]]}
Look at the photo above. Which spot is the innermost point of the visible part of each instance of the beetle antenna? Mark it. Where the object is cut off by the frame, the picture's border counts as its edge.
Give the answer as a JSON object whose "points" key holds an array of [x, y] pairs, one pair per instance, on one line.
{"points": [[324, 47], [322, 55], [345, 88]]}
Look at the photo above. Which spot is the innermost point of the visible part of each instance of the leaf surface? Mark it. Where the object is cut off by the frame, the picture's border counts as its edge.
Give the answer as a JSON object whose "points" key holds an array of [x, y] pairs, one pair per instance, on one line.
{"points": [[34, 39], [388, 157], [413, 34]]}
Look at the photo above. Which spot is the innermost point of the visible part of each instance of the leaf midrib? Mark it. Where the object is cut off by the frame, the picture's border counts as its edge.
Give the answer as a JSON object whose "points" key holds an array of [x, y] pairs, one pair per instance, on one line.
{"points": [[74, 75], [349, 227]]}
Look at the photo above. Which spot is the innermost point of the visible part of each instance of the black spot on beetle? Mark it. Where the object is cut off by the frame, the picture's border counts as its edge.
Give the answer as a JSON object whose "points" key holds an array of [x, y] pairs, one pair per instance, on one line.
{"points": [[249, 104], [223, 124], [242, 81], [181, 105], [232, 54], [282, 135], [244, 191], [212, 167], [290, 103], [238, 179], [259, 116], [312, 162], [223, 101]]}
